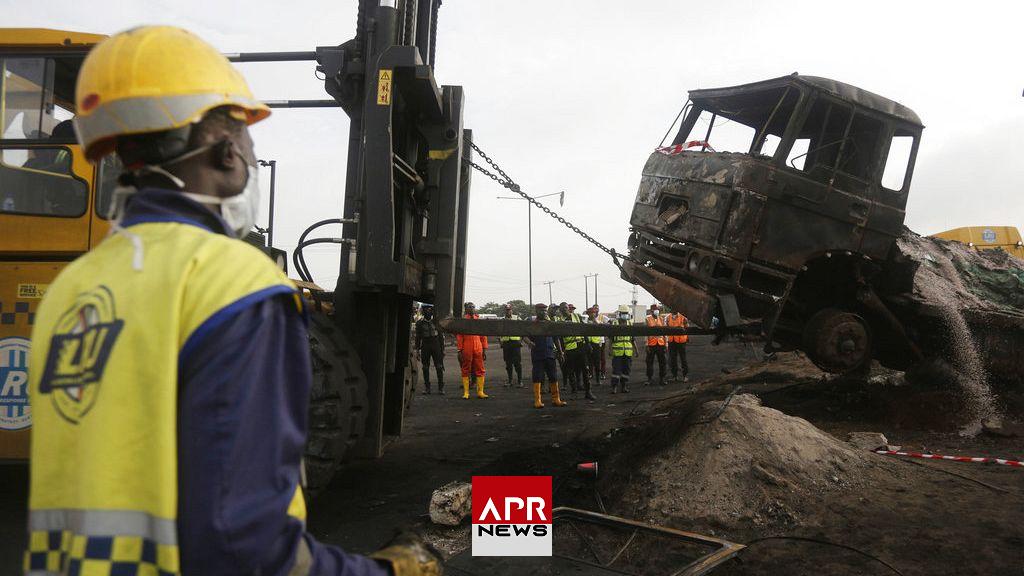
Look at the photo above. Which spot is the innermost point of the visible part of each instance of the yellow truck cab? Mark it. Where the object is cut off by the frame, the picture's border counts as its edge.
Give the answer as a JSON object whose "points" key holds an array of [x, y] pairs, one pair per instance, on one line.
{"points": [[52, 201], [987, 238]]}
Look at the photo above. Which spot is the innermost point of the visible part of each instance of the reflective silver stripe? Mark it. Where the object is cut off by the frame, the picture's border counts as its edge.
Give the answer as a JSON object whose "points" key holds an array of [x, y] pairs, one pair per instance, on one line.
{"points": [[41, 573], [303, 560], [105, 523], [151, 113]]}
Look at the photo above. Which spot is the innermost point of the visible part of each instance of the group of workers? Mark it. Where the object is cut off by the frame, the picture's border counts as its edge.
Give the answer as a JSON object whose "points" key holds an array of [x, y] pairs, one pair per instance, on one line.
{"points": [[580, 359]]}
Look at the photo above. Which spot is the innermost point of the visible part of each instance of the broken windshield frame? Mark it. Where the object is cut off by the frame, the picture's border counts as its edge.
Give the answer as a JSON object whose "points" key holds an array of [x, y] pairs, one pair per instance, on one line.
{"points": [[764, 112]]}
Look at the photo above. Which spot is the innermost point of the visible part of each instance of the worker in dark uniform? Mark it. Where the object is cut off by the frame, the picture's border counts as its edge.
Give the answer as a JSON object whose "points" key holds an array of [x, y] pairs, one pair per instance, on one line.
{"points": [[430, 344], [511, 351], [542, 355], [623, 349], [178, 450], [656, 346], [576, 356]]}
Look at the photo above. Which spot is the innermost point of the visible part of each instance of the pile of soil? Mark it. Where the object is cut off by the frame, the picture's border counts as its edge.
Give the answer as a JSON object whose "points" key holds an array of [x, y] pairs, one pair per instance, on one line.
{"points": [[954, 272], [745, 466], [978, 297]]}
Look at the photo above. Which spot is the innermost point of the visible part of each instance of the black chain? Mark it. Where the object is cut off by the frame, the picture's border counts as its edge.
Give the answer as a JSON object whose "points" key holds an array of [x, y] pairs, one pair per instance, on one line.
{"points": [[505, 180]]}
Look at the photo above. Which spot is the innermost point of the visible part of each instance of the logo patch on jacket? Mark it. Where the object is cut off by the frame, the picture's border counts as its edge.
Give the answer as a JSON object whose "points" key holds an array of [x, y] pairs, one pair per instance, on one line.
{"points": [[79, 349]]}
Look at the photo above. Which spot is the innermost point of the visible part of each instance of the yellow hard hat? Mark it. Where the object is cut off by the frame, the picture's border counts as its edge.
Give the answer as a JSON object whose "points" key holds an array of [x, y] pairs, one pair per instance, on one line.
{"points": [[151, 79]]}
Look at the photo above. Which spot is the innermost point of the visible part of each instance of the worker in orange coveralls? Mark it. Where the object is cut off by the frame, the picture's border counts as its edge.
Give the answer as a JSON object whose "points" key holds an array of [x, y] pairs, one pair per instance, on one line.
{"points": [[472, 353]]}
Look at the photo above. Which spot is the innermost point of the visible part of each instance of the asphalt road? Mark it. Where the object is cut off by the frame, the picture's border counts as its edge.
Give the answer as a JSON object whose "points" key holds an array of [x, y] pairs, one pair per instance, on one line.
{"points": [[445, 438]]}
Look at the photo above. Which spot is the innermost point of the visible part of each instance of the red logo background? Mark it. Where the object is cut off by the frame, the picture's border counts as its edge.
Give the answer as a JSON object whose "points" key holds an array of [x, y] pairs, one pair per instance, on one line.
{"points": [[498, 488]]}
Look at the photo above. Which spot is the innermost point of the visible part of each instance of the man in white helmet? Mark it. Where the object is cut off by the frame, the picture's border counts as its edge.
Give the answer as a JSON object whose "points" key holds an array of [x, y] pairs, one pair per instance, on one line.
{"points": [[170, 374]]}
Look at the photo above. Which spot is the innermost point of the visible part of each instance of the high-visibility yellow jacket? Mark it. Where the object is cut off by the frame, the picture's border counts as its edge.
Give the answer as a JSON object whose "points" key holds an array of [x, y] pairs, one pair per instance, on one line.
{"points": [[622, 346], [104, 384]]}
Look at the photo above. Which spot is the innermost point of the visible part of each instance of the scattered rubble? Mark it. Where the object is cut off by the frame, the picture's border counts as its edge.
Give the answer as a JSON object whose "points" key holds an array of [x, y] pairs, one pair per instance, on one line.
{"points": [[867, 440], [451, 503]]}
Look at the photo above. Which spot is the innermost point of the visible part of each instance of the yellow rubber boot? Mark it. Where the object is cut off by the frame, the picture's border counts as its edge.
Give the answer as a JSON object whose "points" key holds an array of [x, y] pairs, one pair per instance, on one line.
{"points": [[556, 399], [480, 387], [465, 387], [537, 402]]}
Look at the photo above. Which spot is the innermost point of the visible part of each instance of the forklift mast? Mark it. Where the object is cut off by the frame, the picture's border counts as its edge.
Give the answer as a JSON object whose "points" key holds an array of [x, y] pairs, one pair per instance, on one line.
{"points": [[406, 195]]}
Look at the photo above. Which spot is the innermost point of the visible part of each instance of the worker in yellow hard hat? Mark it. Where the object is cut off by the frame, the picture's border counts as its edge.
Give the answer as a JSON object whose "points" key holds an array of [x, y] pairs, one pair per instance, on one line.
{"points": [[170, 374]]}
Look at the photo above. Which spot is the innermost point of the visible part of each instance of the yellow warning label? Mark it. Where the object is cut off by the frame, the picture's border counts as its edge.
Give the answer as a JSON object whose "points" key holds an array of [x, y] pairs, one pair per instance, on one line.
{"points": [[32, 291], [384, 88], [440, 154]]}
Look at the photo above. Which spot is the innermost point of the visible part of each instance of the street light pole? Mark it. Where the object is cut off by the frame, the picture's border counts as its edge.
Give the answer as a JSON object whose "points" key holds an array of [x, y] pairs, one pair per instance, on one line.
{"points": [[586, 288], [529, 246], [529, 232]]}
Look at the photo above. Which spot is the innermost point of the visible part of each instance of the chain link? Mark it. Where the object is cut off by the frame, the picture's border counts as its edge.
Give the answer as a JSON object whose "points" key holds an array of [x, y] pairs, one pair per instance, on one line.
{"points": [[506, 181]]}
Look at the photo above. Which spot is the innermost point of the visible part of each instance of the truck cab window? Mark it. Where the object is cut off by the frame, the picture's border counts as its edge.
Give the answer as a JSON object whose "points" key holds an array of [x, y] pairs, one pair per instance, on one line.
{"points": [[838, 141], [38, 181], [897, 162]]}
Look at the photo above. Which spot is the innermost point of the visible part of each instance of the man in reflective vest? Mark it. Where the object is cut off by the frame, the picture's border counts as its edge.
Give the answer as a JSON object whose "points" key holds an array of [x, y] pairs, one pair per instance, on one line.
{"points": [[677, 346], [623, 348], [511, 352], [472, 355], [542, 355], [430, 343], [576, 356], [170, 372], [655, 347]]}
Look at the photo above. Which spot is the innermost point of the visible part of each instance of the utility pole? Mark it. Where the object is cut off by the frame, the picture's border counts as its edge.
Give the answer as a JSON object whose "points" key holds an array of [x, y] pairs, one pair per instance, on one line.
{"points": [[550, 297], [595, 290]]}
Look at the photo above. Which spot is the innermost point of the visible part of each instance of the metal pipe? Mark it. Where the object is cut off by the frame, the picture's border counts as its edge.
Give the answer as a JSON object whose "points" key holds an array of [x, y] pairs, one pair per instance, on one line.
{"points": [[269, 56], [503, 327], [302, 103], [270, 217]]}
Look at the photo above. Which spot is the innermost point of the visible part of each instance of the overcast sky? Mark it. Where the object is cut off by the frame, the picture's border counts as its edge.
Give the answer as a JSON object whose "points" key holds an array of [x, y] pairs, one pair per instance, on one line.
{"points": [[574, 95]]}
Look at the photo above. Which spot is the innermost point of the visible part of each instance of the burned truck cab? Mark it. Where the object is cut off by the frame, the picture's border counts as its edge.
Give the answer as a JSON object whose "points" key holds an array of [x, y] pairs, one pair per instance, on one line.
{"points": [[777, 205]]}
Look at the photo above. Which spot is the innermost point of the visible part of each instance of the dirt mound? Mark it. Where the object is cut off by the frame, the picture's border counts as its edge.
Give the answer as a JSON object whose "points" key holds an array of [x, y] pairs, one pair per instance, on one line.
{"points": [[959, 283], [977, 279], [747, 467]]}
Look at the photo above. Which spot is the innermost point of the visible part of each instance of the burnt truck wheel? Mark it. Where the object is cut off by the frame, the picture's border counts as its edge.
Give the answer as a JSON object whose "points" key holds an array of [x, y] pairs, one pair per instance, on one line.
{"points": [[337, 402], [837, 341]]}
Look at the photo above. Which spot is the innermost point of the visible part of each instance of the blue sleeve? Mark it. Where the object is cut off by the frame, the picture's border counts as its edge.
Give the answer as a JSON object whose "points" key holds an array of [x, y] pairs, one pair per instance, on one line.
{"points": [[243, 396]]}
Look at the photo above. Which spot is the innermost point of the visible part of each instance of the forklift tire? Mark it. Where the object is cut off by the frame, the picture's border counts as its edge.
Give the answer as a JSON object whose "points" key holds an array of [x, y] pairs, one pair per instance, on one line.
{"points": [[337, 403]]}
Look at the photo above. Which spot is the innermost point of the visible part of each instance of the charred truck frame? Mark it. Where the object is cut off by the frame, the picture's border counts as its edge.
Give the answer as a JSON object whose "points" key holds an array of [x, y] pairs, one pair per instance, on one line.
{"points": [[795, 228]]}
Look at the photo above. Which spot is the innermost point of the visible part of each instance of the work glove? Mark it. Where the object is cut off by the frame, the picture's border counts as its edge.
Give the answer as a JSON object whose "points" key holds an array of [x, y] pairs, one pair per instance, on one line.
{"points": [[410, 555]]}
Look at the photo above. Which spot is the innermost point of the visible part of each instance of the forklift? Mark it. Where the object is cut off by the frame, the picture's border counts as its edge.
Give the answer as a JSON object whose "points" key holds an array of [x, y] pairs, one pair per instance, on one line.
{"points": [[403, 224]]}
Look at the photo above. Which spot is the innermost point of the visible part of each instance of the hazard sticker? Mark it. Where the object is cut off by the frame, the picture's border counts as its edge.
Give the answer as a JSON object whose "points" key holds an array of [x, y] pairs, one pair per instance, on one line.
{"points": [[384, 88]]}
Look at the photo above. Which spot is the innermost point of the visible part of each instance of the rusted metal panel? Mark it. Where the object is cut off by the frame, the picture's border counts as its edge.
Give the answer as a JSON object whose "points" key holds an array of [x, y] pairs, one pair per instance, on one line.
{"points": [[696, 305]]}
